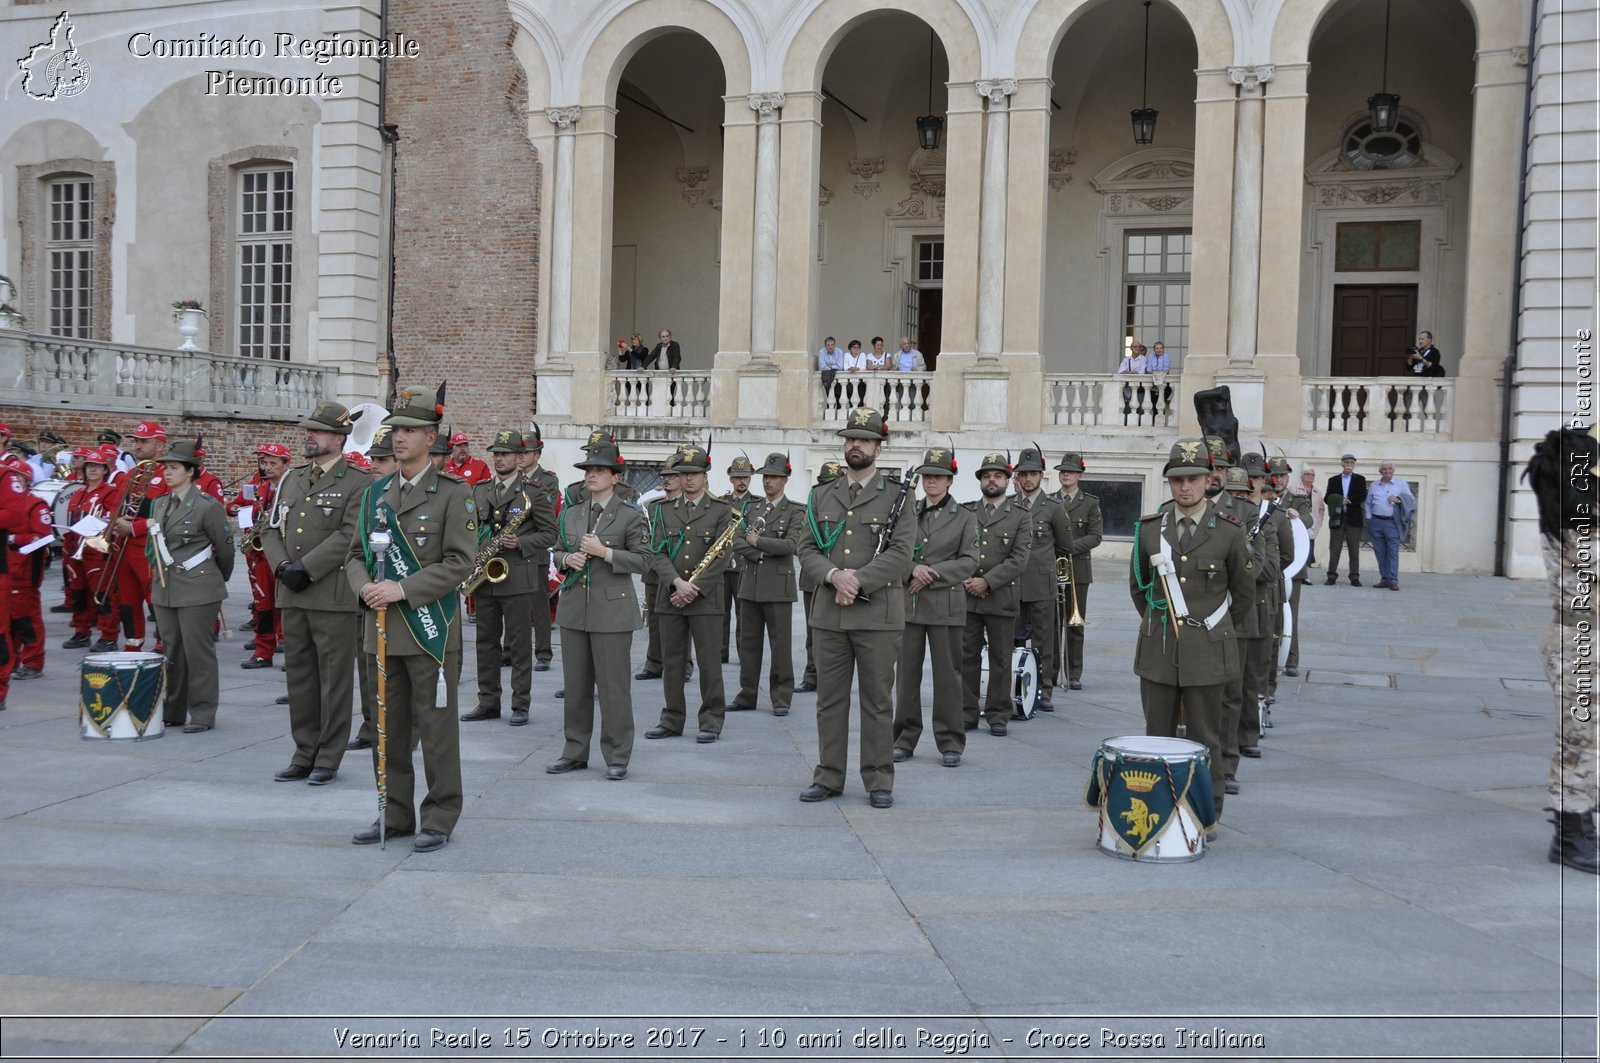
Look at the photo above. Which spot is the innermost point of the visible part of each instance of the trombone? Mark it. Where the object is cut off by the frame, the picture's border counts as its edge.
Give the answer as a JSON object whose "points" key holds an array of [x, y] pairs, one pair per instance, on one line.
{"points": [[1067, 591]]}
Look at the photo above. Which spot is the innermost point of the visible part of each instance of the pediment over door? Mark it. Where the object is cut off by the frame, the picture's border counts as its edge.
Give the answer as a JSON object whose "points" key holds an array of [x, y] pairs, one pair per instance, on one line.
{"points": [[1154, 181]]}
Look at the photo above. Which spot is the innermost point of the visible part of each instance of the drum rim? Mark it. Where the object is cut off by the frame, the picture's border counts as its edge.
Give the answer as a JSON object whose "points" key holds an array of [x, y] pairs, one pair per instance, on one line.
{"points": [[1114, 746], [115, 657]]}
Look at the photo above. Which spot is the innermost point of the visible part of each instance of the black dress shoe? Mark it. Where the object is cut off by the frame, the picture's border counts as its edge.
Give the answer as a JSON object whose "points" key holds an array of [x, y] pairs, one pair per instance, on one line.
{"points": [[257, 662], [616, 772], [645, 673], [951, 759], [1291, 671], [248, 625], [971, 725], [480, 713], [705, 738], [688, 673], [1043, 704], [997, 729], [283, 699], [817, 792], [1250, 751], [901, 755], [103, 646], [358, 743], [292, 773], [1333, 577], [22, 671], [1355, 581], [429, 840], [541, 666], [370, 835], [562, 693], [62, 608], [880, 799], [736, 707], [806, 688], [519, 718], [195, 728], [322, 776], [564, 765], [661, 732], [1074, 684], [780, 710], [1230, 785], [724, 658], [76, 642]]}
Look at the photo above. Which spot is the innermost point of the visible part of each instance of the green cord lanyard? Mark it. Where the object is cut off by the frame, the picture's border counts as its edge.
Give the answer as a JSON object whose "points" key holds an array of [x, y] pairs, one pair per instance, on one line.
{"points": [[1144, 579], [824, 542]]}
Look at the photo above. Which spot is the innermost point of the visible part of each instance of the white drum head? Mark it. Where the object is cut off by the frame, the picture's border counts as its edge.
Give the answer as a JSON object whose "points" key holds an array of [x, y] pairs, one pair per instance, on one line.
{"points": [[1153, 747]]}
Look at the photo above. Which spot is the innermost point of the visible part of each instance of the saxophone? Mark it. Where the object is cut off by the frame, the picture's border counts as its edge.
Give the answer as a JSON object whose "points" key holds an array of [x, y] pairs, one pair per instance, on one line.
{"points": [[720, 545], [489, 566]]}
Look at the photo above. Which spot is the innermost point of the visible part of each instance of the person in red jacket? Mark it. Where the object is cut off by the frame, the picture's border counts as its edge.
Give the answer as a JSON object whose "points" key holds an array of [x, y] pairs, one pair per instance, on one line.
{"points": [[27, 578], [22, 514], [207, 480], [463, 464], [99, 499], [132, 584], [272, 461]]}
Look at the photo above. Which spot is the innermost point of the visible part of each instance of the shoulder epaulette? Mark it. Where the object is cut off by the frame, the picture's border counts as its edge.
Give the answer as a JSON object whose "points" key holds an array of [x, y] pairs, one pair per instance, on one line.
{"points": [[630, 503], [970, 507], [446, 474], [1231, 519]]}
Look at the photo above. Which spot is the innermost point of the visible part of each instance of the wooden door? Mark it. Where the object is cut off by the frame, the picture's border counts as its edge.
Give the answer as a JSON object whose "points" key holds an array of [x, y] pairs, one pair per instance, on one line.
{"points": [[1373, 327]]}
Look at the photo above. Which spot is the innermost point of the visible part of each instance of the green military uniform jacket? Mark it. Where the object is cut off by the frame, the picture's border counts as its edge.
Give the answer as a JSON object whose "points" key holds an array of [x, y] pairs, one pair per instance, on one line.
{"points": [[1088, 531], [849, 532], [314, 526], [439, 519], [683, 535], [498, 507], [738, 503], [767, 569], [1260, 622], [1217, 569], [577, 492], [189, 527], [602, 597], [1004, 543], [545, 482], [947, 542], [1051, 533], [1285, 556]]}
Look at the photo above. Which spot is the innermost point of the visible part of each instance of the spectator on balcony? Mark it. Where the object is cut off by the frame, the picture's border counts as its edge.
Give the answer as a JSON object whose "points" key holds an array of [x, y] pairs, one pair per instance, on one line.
{"points": [[1389, 507], [1424, 359], [1159, 361], [878, 358], [666, 355], [636, 354], [855, 391], [1134, 362], [908, 359]]}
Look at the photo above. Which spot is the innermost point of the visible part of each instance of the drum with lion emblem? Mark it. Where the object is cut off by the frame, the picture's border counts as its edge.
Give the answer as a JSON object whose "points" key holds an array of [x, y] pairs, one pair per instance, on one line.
{"points": [[1153, 796], [120, 695]]}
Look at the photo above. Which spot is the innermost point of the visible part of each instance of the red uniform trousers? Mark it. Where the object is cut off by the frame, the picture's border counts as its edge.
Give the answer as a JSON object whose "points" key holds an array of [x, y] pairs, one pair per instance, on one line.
{"points": [[132, 593], [263, 595], [27, 609], [86, 614], [8, 656]]}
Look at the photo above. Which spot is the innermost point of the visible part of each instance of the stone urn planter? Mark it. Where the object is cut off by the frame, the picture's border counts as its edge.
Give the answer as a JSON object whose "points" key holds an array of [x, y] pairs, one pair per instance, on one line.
{"points": [[190, 316]]}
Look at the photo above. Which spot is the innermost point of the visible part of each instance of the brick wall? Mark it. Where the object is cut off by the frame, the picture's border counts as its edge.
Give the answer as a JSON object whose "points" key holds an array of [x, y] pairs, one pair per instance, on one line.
{"points": [[467, 214], [230, 445]]}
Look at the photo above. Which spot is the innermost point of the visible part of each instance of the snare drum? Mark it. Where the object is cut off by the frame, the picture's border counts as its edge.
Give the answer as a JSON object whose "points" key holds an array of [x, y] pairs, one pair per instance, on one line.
{"points": [[1154, 798], [120, 695], [1024, 682]]}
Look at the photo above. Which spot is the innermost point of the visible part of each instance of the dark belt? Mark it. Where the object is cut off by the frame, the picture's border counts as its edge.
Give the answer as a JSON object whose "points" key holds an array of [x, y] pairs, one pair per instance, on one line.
{"points": [[1376, 517]]}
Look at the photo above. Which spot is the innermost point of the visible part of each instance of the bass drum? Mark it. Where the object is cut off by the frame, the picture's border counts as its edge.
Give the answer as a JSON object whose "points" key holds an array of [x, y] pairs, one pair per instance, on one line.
{"points": [[1024, 683]]}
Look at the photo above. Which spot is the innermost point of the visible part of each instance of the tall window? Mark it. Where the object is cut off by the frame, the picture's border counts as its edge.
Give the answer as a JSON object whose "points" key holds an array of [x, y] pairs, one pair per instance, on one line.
{"points": [[69, 257], [1156, 290], [265, 253], [930, 260]]}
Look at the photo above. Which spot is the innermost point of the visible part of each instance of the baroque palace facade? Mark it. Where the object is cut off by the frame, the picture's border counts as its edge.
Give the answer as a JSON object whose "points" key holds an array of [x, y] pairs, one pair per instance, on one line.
{"points": [[524, 183]]}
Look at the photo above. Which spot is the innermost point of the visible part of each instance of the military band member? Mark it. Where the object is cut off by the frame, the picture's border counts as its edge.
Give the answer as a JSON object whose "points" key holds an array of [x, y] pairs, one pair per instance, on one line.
{"points": [[505, 609], [600, 547], [671, 488], [766, 552], [1300, 507], [1051, 533], [994, 596], [98, 498], [1264, 497], [272, 461], [858, 626], [691, 611], [439, 451], [1088, 530], [828, 472], [542, 481], [739, 496], [944, 555], [381, 454], [131, 591], [191, 550], [577, 492], [1188, 649], [433, 521], [1241, 719], [306, 540]]}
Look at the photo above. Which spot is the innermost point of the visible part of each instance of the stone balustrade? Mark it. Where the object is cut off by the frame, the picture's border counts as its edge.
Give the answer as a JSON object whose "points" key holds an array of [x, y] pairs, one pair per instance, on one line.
{"points": [[658, 395], [1109, 401], [40, 370], [903, 397], [1377, 406]]}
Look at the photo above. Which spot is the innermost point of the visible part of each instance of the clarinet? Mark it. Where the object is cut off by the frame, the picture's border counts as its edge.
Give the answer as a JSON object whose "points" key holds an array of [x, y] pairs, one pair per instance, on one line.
{"points": [[885, 536]]}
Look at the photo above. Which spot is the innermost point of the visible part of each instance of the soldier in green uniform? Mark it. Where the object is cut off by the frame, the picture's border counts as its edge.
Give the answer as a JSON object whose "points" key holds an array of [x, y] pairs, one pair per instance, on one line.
{"points": [[1192, 580], [808, 588], [522, 524], [306, 541], [1264, 498], [671, 488], [1296, 507], [687, 531], [543, 482], [433, 521], [944, 555], [599, 548], [191, 543], [381, 454], [993, 596], [577, 492], [1088, 530], [766, 552], [1051, 533], [857, 627], [739, 473], [1241, 721]]}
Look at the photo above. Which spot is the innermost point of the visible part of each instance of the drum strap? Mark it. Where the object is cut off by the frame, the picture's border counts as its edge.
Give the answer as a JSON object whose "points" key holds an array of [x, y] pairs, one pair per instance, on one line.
{"points": [[159, 538], [194, 561], [1164, 565]]}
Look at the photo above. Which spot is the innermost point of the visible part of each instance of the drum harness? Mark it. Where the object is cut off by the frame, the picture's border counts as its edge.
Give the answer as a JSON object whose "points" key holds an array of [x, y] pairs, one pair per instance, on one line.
{"points": [[1174, 603]]}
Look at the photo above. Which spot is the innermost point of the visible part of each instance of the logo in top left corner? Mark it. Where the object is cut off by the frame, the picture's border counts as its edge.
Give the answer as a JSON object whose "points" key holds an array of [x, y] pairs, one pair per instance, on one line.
{"points": [[54, 69]]}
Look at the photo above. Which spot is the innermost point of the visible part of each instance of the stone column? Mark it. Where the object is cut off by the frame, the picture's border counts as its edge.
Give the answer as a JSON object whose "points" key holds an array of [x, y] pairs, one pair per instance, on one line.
{"points": [[992, 219], [764, 267], [1278, 300], [1215, 103], [555, 376], [1026, 216], [1245, 258], [963, 143], [735, 204], [795, 342]]}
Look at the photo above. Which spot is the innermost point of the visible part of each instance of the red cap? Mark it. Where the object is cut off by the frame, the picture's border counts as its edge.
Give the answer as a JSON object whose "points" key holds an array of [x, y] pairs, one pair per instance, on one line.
{"points": [[5, 430], [106, 455], [149, 430], [12, 460], [459, 439], [274, 450], [359, 460]]}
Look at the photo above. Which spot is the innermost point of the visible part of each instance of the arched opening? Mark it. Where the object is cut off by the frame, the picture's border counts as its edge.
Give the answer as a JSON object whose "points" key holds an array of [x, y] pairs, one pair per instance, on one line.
{"points": [[1119, 214], [1386, 222], [666, 194]]}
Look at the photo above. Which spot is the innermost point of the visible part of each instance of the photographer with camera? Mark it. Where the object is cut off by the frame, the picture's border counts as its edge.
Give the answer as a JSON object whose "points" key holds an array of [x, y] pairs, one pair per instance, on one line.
{"points": [[1423, 359]]}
